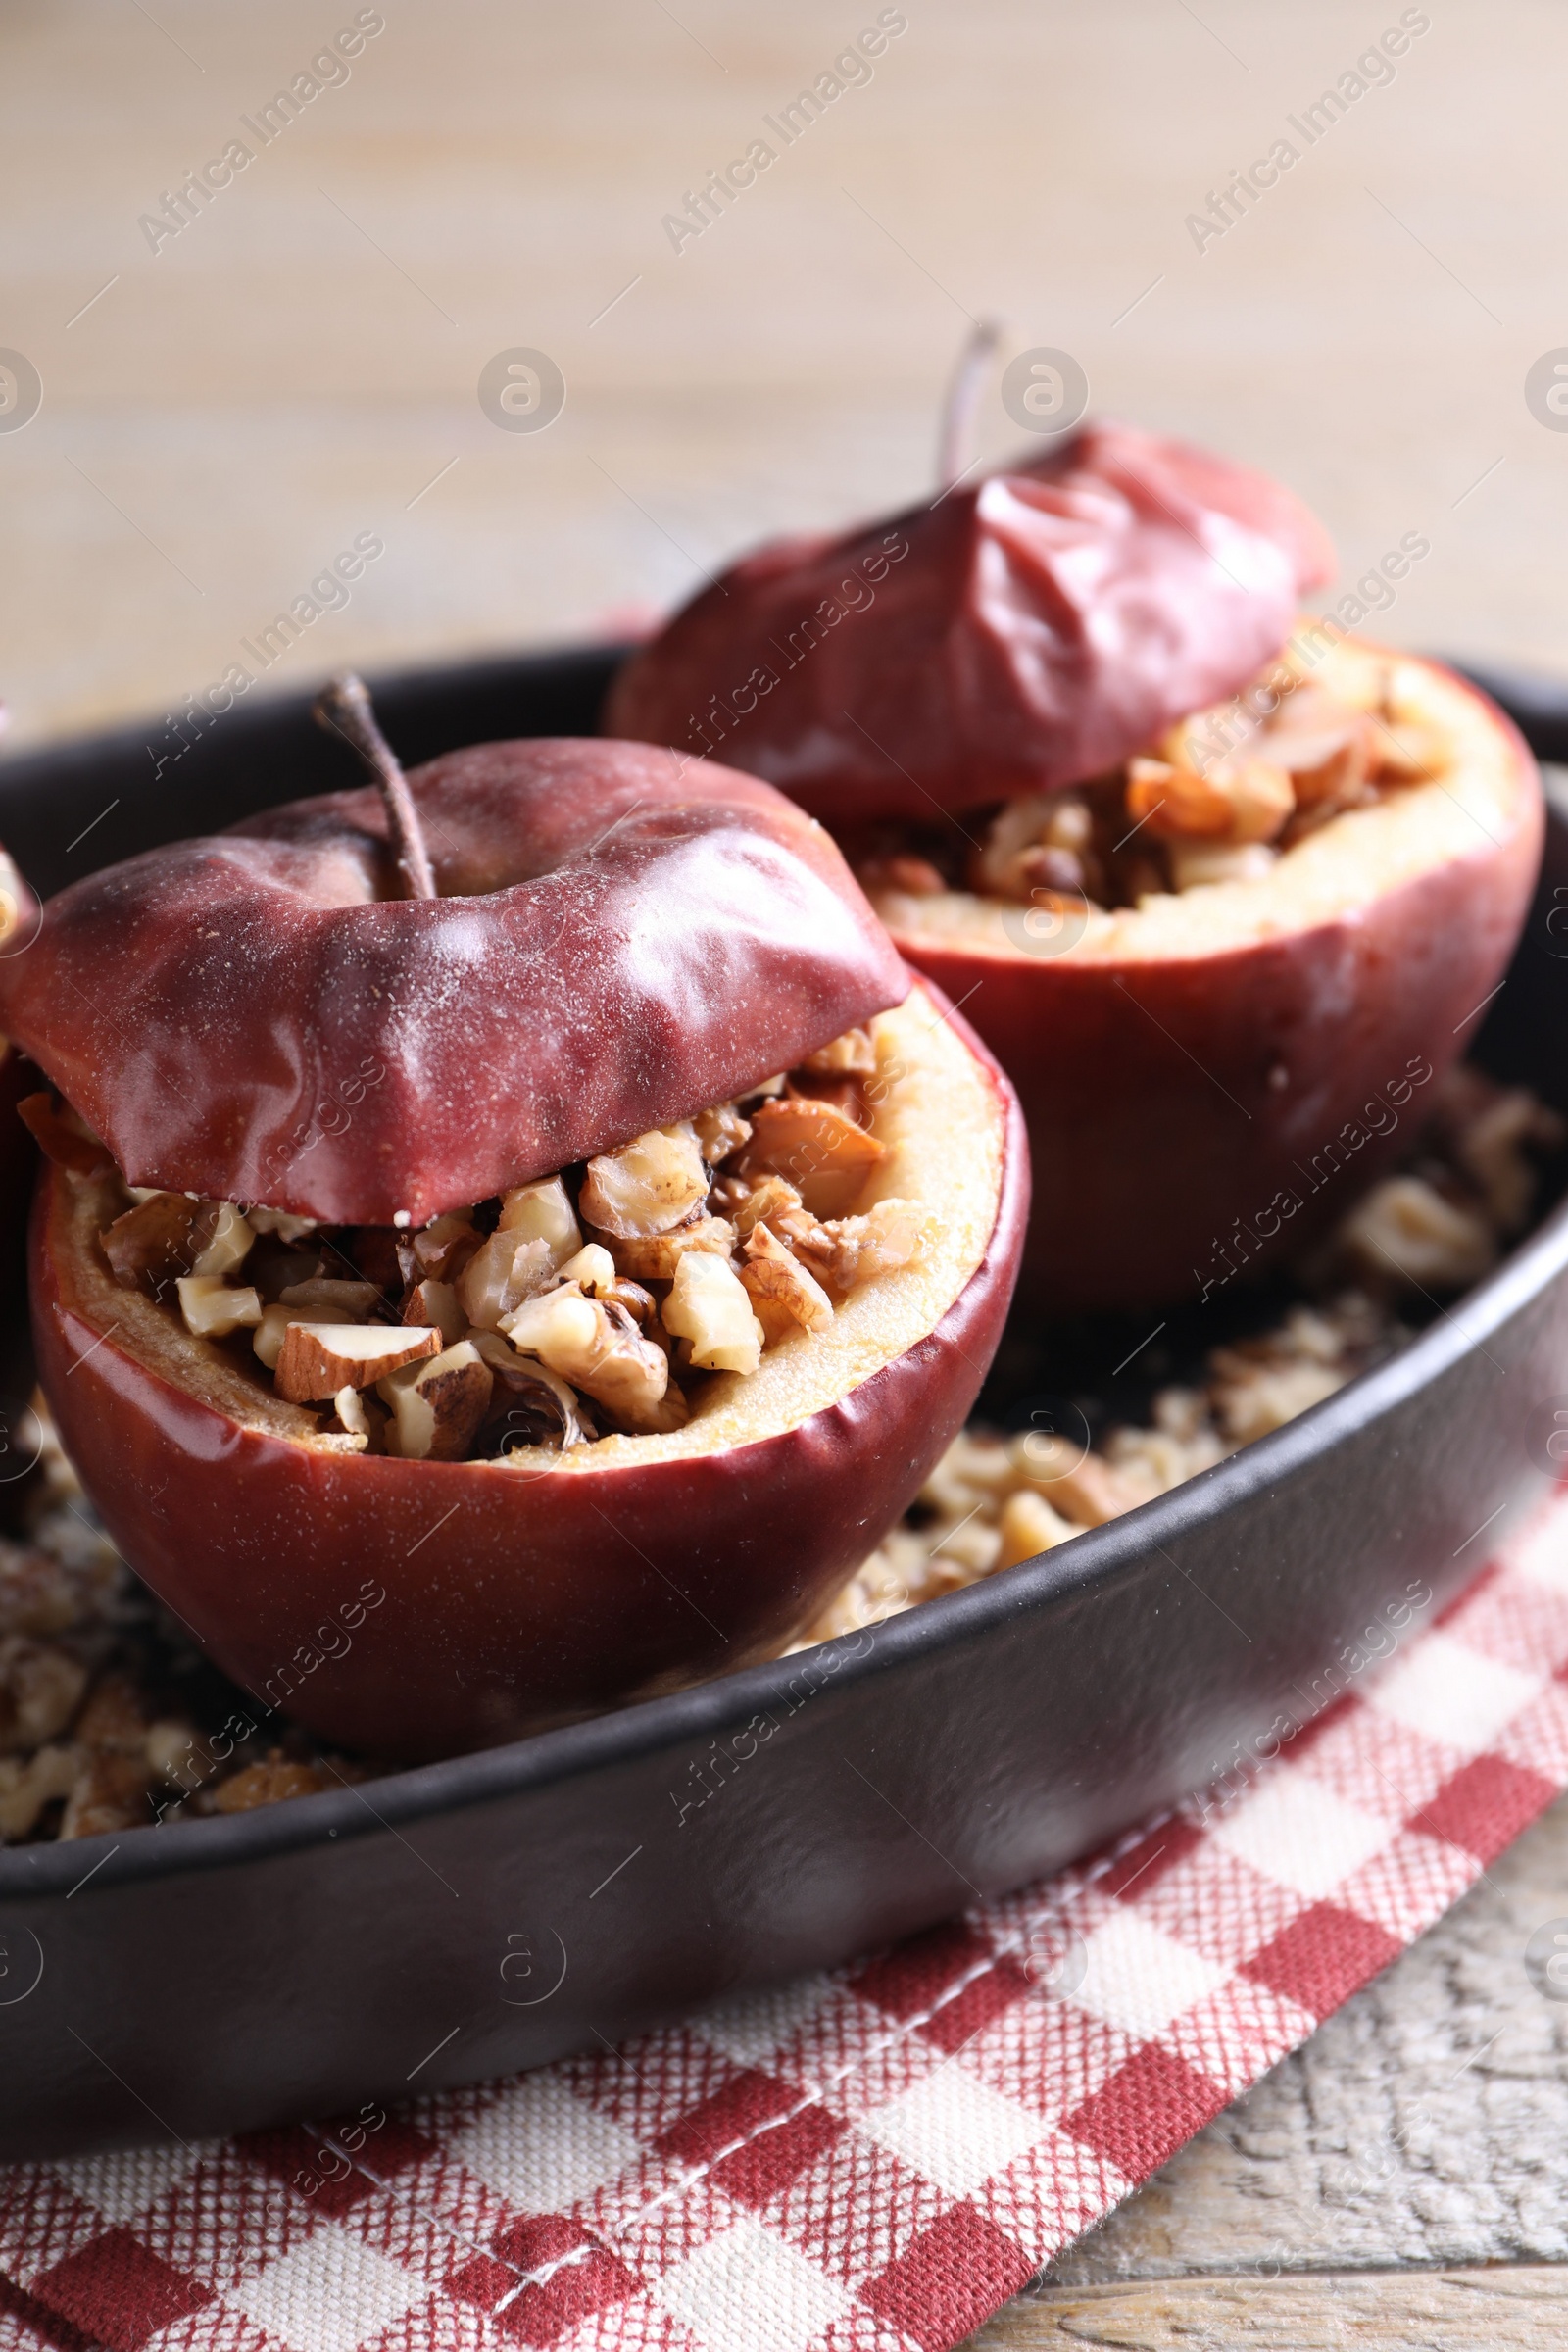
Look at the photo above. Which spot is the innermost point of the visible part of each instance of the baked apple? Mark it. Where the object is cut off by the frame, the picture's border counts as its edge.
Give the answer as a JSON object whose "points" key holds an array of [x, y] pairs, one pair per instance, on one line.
{"points": [[472, 1310], [1213, 885], [1223, 981]]}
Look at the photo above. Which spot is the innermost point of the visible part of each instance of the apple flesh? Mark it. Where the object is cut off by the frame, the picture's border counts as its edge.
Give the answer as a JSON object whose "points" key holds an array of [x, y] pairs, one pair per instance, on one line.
{"points": [[415, 1608], [1209, 1078]]}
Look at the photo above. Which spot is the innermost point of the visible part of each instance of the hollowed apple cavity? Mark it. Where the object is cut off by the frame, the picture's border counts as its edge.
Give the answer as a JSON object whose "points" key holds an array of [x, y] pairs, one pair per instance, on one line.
{"points": [[1211, 1072]]}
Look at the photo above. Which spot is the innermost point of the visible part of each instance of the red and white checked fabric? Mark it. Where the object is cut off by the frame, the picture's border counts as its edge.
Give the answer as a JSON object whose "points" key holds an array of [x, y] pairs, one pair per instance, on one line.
{"points": [[866, 2161]]}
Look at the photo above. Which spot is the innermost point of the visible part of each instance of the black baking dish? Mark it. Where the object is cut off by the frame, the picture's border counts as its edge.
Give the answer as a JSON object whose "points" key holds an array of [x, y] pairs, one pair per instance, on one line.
{"points": [[494, 1911]]}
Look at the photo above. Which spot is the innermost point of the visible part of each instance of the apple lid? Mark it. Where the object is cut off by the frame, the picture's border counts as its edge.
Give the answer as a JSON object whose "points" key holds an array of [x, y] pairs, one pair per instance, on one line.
{"points": [[1023, 631], [622, 938]]}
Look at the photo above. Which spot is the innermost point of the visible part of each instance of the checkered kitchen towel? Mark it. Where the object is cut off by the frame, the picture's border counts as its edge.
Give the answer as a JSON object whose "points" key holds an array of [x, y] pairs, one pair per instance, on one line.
{"points": [[867, 2161]]}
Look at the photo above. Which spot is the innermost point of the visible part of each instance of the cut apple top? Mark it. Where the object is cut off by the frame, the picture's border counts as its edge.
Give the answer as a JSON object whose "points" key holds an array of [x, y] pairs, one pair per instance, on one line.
{"points": [[708, 1281], [1023, 631], [622, 938], [1369, 768]]}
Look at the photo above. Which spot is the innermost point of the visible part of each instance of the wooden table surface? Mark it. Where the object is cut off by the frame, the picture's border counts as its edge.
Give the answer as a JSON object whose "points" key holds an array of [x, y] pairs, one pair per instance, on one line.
{"points": [[224, 408]]}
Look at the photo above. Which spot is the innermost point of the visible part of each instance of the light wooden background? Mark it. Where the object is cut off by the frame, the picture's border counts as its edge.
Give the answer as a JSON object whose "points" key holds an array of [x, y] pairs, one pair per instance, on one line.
{"points": [[300, 365]]}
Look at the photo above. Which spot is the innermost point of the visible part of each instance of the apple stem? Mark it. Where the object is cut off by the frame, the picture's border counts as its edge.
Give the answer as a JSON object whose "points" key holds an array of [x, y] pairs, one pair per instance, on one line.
{"points": [[956, 438], [344, 706]]}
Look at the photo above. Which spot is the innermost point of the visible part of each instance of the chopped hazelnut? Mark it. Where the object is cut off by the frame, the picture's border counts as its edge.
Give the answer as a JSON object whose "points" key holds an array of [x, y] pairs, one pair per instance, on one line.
{"points": [[276, 1320], [159, 1239]]}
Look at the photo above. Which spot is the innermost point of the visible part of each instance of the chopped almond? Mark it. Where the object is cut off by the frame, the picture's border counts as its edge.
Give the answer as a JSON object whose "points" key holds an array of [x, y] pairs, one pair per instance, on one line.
{"points": [[213, 1308], [275, 1321], [437, 1407], [436, 1302], [824, 1154], [359, 1418], [647, 1187], [771, 1272], [317, 1360]]}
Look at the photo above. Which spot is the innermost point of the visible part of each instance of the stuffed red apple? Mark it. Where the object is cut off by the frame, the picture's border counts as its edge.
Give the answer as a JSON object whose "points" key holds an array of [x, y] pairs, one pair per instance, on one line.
{"points": [[590, 1258], [1210, 883]]}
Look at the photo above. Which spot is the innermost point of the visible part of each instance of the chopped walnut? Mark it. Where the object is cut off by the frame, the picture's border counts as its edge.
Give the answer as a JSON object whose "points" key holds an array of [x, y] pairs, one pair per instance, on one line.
{"points": [[41, 1690], [1242, 801], [772, 1274], [540, 1319], [852, 1056], [657, 1258], [709, 1309], [720, 1132], [647, 1187], [823, 1153], [507, 1268], [269, 1784], [598, 1348]]}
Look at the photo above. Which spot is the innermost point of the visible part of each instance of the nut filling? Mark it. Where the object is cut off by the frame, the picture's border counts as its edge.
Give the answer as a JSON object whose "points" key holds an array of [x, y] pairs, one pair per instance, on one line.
{"points": [[583, 1304], [1219, 797]]}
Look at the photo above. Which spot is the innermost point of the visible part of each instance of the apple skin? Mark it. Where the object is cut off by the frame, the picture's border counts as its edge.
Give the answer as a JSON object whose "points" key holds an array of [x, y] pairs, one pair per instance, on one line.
{"points": [[1153, 1123], [510, 1602], [1027, 630], [622, 938]]}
